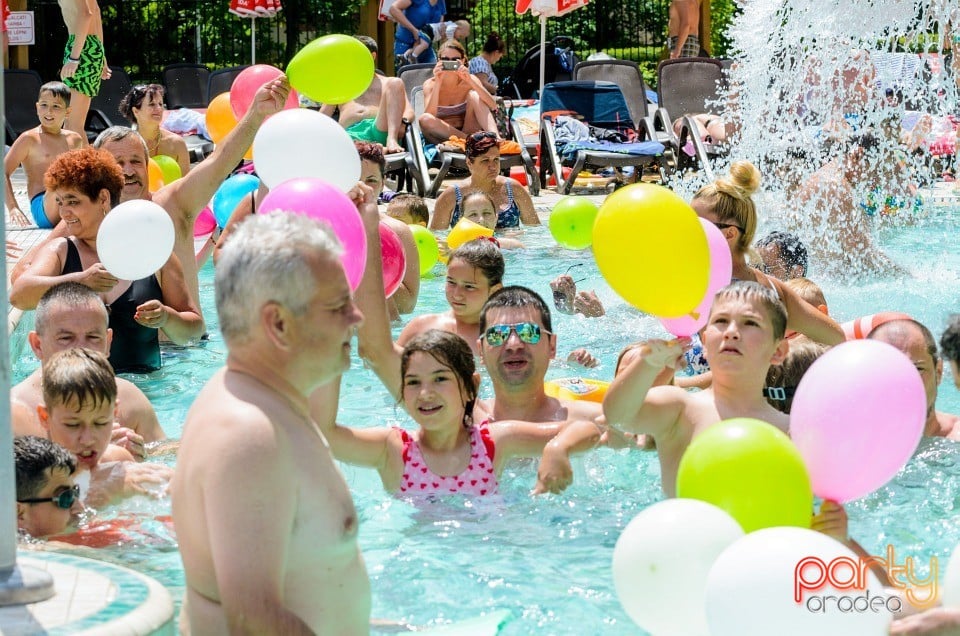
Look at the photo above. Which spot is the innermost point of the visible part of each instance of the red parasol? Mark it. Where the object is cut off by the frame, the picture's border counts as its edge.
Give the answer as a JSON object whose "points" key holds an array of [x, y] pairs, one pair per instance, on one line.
{"points": [[546, 9], [254, 9]]}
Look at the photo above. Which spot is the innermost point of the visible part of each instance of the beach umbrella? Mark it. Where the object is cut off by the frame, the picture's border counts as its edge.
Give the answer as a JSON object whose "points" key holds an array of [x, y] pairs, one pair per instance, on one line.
{"points": [[254, 9], [544, 9]]}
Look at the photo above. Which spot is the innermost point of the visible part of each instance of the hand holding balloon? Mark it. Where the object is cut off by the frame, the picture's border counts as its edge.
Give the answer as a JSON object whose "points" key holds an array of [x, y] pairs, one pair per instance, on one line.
{"points": [[97, 278], [271, 97], [831, 521], [663, 354], [152, 314]]}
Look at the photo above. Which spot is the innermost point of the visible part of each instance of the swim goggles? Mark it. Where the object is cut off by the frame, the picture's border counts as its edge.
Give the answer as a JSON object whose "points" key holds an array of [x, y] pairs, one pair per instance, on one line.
{"points": [[528, 332], [63, 501]]}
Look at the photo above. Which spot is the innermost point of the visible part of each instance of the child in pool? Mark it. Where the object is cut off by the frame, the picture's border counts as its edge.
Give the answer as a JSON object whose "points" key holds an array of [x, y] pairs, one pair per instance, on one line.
{"points": [[47, 497], [409, 208], [450, 454], [478, 207], [36, 149], [78, 412]]}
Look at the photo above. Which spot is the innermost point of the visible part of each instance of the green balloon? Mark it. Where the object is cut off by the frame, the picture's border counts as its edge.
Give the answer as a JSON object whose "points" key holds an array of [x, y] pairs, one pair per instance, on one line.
{"points": [[751, 470], [427, 248], [169, 167], [334, 69], [571, 222]]}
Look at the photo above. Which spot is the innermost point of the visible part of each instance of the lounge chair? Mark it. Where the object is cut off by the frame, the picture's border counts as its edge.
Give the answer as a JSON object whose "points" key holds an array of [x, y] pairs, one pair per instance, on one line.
{"points": [[20, 89], [105, 107], [524, 81], [221, 80], [185, 85], [600, 105], [414, 75]]}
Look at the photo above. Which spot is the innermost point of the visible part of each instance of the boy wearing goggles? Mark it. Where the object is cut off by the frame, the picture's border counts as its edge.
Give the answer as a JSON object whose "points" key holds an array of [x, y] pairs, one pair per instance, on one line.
{"points": [[47, 498]]}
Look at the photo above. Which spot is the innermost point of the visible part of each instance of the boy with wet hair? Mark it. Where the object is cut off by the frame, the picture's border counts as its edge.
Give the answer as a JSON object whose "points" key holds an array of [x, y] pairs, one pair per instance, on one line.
{"points": [[784, 255], [742, 338], [35, 150], [47, 498], [409, 208]]}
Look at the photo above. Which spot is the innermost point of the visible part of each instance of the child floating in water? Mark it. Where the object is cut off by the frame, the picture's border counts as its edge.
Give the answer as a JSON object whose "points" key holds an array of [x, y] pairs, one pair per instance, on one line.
{"points": [[449, 453], [478, 207], [409, 208]]}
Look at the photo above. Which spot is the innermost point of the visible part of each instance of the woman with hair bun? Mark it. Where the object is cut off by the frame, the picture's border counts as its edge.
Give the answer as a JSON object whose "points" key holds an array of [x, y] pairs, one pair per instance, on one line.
{"points": [[727, 203], [482, 65]]}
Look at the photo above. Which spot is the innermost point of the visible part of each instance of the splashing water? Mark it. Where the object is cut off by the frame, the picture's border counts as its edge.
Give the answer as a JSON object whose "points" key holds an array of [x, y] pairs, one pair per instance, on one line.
{"points": [[810, 78]]}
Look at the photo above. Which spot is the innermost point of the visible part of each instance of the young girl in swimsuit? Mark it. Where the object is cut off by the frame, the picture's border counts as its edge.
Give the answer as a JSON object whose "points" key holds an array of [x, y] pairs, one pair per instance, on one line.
{"points": [[448, 453], [478, 207]]}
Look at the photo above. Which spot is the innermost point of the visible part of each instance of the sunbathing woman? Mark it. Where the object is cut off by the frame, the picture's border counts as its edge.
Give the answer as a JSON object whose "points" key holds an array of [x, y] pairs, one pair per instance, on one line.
{"points": [[143, 106], [455, 102]]}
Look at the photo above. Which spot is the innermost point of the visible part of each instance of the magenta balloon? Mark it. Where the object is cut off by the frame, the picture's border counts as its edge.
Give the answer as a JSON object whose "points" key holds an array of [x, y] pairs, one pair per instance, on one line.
{"points": [[248, 82], [205, 223], [321, 201], [721, 270], [857, 417], [394, 260]]}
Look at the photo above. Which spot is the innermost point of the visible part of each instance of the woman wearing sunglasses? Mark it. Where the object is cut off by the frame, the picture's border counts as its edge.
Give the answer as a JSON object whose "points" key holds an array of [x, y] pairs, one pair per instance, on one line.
{"points": [[144, 106], [455, 102], [511, 199]]}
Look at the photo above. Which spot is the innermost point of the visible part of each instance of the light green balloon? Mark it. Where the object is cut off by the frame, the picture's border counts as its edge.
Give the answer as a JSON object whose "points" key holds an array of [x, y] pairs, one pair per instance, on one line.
{"points": [[571, 222], [750, 469], [334, 69], [427, 248], [169, 167]]}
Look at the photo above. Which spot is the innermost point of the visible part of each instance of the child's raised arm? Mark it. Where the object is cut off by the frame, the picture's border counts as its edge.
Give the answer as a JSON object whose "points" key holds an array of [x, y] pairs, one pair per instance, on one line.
{"points": [[627, 403]]}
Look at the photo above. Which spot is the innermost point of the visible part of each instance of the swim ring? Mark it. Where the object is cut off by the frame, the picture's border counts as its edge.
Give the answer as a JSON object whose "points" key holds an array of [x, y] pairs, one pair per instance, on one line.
{"points": [[861, 327], [576, 389]]}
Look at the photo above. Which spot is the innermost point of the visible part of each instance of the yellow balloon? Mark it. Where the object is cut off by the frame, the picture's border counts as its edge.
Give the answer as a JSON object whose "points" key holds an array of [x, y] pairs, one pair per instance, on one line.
{"points": [[220, 118], [651, 248], [465, 231], [154, 175]]}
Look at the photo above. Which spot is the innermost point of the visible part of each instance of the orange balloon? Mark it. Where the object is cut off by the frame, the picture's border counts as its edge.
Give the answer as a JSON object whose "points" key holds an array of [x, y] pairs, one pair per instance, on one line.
{"points": [[154, 175], [220, 117]]}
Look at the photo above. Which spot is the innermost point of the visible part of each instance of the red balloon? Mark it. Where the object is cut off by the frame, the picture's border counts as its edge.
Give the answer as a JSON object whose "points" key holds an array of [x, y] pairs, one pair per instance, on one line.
{"points": [[248, 82], [394, 260]]}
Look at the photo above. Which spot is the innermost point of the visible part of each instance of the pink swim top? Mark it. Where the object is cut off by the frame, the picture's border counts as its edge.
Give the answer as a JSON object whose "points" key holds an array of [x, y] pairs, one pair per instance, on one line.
{"points": [[477, 480]]}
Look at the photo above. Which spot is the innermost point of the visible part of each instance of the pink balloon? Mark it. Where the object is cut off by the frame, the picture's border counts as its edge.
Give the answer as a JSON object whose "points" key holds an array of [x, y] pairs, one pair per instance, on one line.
{"points": [[721, 270], [321, 201], [857, 417], [394, 260], [205, 223], [248, 82]]}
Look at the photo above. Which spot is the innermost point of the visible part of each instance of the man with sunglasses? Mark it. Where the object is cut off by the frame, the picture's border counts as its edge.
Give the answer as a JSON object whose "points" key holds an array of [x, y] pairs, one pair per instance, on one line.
{"points": [[47, 498]]}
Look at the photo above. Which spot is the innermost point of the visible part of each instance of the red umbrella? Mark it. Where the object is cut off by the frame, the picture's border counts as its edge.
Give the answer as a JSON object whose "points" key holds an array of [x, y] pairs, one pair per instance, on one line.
{"points": [[254, 9], [545, 9]]}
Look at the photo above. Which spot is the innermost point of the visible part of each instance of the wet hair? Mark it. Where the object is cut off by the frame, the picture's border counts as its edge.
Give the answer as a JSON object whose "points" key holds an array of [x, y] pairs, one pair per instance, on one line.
{"points": [[70, 296], [757, 294], [516, 296], [783, 378], [807, 290], [950, 339], [792, 250], [480, 142], [409, 204], [33, 456], [268, 259], [731, 202], [78, 374], [900, 327], [135, 98], [87, 170], [451, 351], [483, 255], [56, 89], [119, 133], [368, 42], [371, 152], [494, 43], [454, 44]]}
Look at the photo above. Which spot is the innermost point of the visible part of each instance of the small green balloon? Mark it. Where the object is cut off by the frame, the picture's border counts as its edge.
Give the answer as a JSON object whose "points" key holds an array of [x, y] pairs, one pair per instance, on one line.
{"points": [[571, 222], [169, 167], [750, 469], [334, 69], [427, 248]]}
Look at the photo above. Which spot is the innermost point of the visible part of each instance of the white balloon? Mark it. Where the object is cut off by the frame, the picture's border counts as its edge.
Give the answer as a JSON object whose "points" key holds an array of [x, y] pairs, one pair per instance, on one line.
{"points": [[135, 239], [661, 562], [751, 587], [951, 581], [305, 143]]}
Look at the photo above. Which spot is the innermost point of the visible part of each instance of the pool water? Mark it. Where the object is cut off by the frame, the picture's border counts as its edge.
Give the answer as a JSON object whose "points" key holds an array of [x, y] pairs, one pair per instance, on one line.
{"points": [[547, 559]]}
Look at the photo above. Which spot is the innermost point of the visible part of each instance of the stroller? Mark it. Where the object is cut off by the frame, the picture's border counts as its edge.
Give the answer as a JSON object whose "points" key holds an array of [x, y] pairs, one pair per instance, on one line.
{"points": [[525, 79]]}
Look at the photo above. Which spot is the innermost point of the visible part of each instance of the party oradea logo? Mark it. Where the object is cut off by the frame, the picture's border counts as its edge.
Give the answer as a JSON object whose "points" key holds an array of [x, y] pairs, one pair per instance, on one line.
{"points": [[815, 580]]}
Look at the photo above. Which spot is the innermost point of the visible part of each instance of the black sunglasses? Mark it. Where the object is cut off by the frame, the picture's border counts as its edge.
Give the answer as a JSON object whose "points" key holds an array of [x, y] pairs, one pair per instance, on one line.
{"points": [[450, 59], [63, 501], [723, 226]]}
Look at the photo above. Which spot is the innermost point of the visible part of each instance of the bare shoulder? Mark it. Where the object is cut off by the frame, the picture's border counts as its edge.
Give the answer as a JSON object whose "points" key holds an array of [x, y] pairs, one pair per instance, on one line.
{"points": [[583, 410], [74, 140], [951, 424]]}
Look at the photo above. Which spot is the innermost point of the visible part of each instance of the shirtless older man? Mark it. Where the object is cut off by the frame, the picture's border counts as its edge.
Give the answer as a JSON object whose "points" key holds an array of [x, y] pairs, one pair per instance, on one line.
{"points": [[380, 114], [918, 344], [184, 198], [72, 315], [266, 525]]}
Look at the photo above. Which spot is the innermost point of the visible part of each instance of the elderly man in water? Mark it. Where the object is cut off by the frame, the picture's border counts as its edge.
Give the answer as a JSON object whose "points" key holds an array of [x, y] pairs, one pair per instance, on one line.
{"points": [[266, 525]]}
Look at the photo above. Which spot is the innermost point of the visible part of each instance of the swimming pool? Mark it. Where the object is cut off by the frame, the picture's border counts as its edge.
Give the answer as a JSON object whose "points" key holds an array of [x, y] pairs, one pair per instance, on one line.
{"points": [[547, 560]]}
